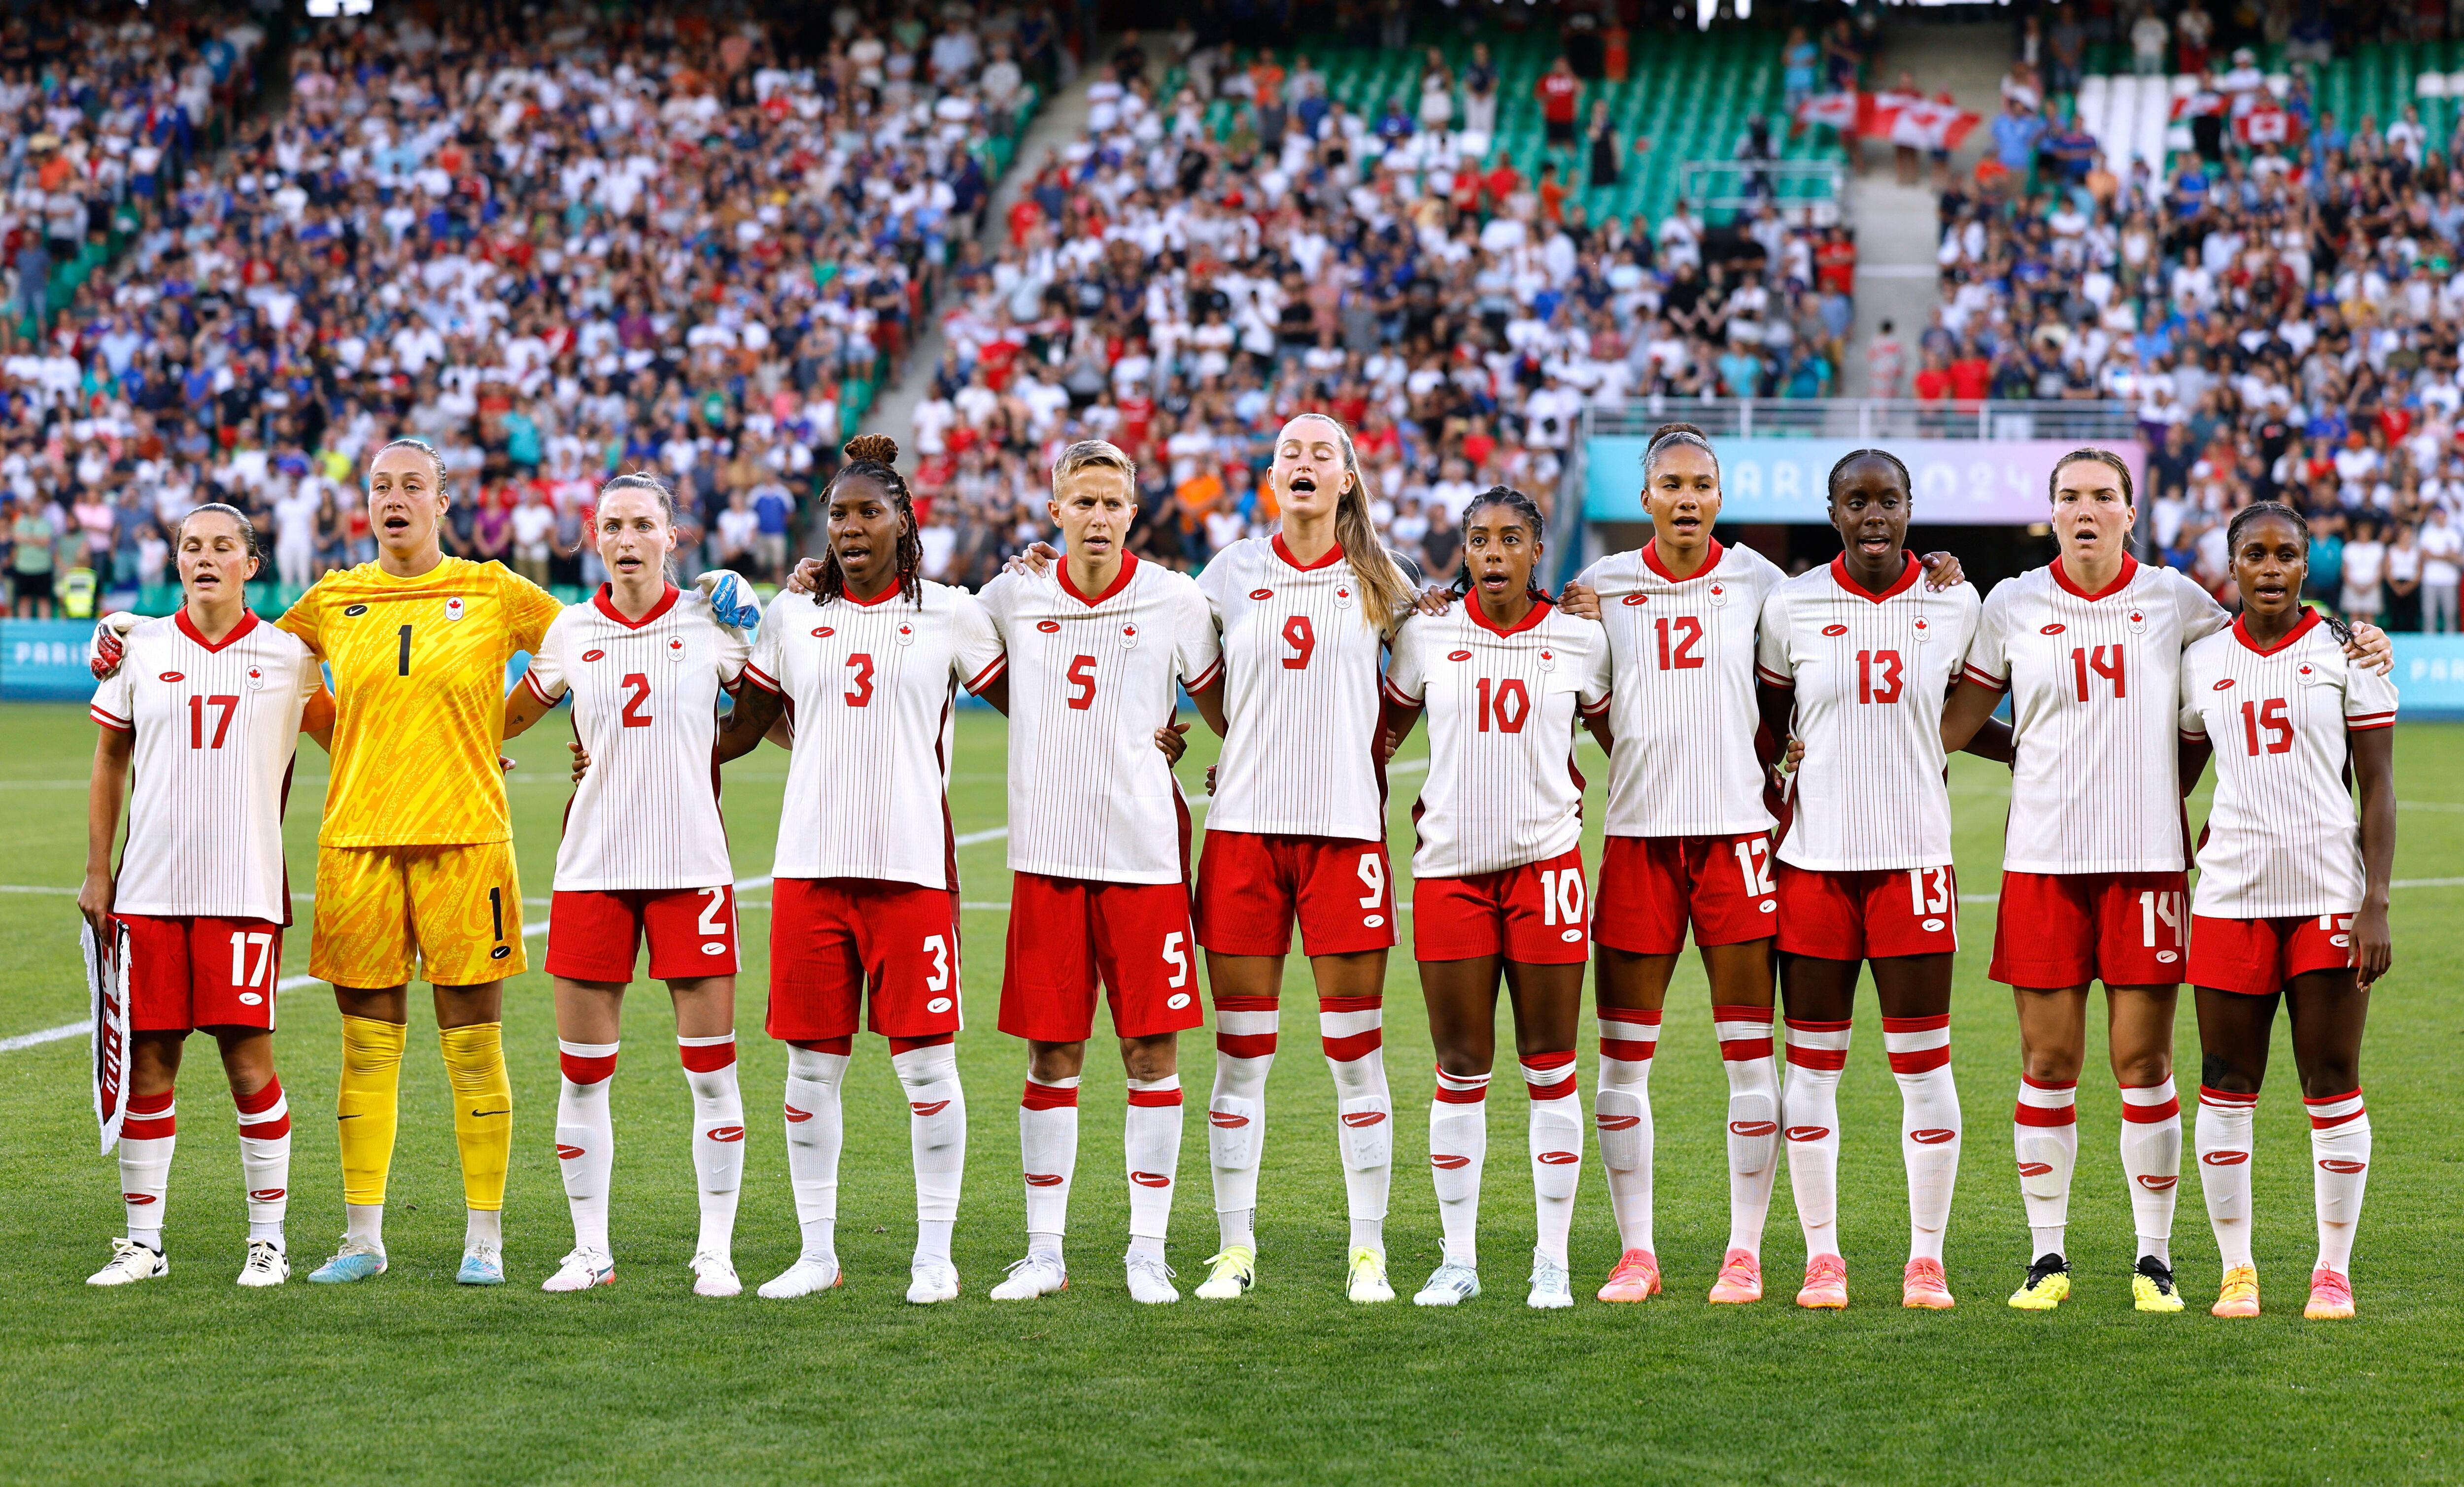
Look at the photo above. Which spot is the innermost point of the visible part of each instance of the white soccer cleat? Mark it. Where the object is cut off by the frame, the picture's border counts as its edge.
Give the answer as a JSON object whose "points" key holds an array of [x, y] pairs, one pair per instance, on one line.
{"points": [[1038, 1275], [1367, 1281], [1230, 1272], [582, 1270], [130, 1262], [1150, 1280], [933, 1280], [714, 1274], [267, 1263], [1449, 1285], [1552, 1289], [802, 1279]]}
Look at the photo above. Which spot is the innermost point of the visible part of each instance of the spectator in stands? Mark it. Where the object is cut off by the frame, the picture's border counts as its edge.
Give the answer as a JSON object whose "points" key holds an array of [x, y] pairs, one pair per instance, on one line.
{"points": [[1560, 92]]}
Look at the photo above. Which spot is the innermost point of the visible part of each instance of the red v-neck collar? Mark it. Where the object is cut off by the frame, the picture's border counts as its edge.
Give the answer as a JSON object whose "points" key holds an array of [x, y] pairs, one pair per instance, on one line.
{"points": [[1539, 611], [1900, 585], [1334, 555], [1120, 580], [2121, 581], [188, 629], [1710, 560], [882, 597], [605, 599], [2309, 622]]}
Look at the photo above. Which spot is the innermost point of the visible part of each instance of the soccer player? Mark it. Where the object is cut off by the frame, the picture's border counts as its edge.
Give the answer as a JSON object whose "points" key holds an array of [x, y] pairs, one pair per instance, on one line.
{"points": [[644, 857], [1497, 874], [1099, 852], [864, 897], [2291, 902], [1860, 656], [208, 706]]}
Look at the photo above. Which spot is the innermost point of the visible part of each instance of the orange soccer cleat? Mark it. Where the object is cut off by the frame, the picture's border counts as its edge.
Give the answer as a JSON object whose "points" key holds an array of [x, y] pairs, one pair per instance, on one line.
{"points": [[1636, 1277], [1741, 1280], [1826, 1283]]}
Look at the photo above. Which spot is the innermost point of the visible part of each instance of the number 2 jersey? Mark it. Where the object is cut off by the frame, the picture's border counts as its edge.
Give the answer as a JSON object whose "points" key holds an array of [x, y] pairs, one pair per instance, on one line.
{"points": [[2281, 838], [217, 728], [1091, 679], [644, 706], [1502, 790], [870, 691], [1870, 672]]}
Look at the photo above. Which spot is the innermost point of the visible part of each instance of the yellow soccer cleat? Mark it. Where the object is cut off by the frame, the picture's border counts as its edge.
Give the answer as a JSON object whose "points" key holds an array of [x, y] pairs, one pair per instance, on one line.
{"points": [[2240, 1295], [1230, 1272], [2047, 1286], [2331, 1297], [1367, 1277], [2151, 1289]]}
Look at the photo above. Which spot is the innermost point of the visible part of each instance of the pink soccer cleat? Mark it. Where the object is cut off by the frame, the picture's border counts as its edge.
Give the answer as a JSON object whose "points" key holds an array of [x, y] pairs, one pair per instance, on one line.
{"points": [[1636, 1277], [1826, 1283], [1741, 1280], [2238, 1297], [1922, 1286], [2331, 1297]]}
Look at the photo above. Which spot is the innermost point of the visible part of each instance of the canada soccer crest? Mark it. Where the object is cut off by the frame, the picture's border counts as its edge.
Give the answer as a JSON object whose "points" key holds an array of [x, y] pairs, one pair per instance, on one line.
{"points": [[1343, 595], [255, 678], [1128, 636], [2137, 620], [453, 609], [675, 647], [1719, 596], [906, 635]]}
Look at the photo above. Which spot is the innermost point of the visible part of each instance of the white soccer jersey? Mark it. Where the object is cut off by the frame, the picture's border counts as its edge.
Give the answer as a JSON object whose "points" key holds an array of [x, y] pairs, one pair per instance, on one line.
{"points": [[1684, 712], [1301, 668], [2281, 838], [2092, 680], [1091, 679], [869, 691], [1870, 672], [644, 706], [217, 728], [1501, 789]]}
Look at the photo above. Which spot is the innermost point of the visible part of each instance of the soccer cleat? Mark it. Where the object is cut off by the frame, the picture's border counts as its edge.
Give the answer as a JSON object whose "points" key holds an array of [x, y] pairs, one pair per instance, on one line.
{"points": [[714, 1274], [1039, 1273], [1741, 1280], [482, 1264], [1449, 1285], [1366, 1277], [1826, 1283], [2331, 1297], [2151, 1288], [2047, 1286], [1150, 1280], [803, 1277], [130, 1261], [356, 1261], [2238, 1297], [582, 1270], [933, 1280], [1552, 1289], [266, 1264], [1230, 1272], [1636, 1276], [1922, 1287]]}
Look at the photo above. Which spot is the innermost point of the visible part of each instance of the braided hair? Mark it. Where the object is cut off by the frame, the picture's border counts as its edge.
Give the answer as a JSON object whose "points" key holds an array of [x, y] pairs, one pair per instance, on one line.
{"points": [[1908, 483], [875, 456], [1528, 511], [2343, 628]]}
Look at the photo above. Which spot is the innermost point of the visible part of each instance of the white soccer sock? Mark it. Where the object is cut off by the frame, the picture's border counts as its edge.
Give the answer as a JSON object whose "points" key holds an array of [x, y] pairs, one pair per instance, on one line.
{"points": [[1621, 1110], [1151, 1148], [265, 1158], [1236, 1112], [719, 1137], [1817, 1052], [585, 1138], [364, 1222], [2228, 1122], [1353, 1032], [936, 1137], [147, 1134], [1556, 1144], [2339, 1156], [1930, 1125], [814, 1133], [2044, 1136], [1458, 1149], [1744, 1035], [1047, 1145], [2151, 1163]]}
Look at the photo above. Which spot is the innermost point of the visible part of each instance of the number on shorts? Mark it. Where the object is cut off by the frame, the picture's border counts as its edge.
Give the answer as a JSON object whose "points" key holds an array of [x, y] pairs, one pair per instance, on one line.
{"points": [[242, 942], [1928, 890], [1679, 657], [2155, 906], [1561, 896], [1373, 877], [1082, 675], [1177, 956], [938, 948], [1512, 705], [638, 690], [496, 912], [1878, 676], [1753, 861], [197, 706], [1303, 639], [709, 926], [859, 692]]}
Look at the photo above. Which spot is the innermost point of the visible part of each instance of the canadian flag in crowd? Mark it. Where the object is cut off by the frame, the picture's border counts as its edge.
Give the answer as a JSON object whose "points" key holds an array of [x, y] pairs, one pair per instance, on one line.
{"points": [[2268, 124], [1838, 110], [1921, 123]]}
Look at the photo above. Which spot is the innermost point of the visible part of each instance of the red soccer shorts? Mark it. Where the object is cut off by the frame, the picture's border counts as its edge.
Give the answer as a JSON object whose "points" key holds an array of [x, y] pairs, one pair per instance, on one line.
{"points": [[1531, 914], [1250, 888], [835, 940], [192, 973], [594, 935], [1868, 916], [2060, 930], [1067, 932], [1651, 885], [2257, 957]]}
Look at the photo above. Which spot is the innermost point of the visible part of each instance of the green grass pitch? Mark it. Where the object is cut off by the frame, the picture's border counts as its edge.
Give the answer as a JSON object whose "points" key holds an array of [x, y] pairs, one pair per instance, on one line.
{"points": [[193, 1379]]}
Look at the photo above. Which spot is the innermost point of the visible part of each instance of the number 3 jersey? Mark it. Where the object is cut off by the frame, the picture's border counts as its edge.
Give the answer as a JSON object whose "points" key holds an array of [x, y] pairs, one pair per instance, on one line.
{"points": [[2281, 838], [1870, 672], [217, 728], [644, 706], [1502, 790], [1091, 679], [870, 691]]}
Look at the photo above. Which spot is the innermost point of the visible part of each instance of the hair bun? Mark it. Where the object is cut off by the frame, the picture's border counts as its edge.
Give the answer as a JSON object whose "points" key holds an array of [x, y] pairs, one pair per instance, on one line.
{"points": [[1667, 429], [881, 449]]}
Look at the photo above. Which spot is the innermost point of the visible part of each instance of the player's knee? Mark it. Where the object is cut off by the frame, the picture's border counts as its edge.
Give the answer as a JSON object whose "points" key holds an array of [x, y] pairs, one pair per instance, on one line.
{"points": [[2227, 1075], [2141, 1068], [2052, 1066], [2327, 1078], [1151, 1058], [1462, 1062], [1049, 1064]]}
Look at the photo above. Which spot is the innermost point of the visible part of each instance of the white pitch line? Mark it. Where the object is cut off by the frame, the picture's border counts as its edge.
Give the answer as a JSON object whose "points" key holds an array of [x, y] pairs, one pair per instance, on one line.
{"points": [[49, 1034]]}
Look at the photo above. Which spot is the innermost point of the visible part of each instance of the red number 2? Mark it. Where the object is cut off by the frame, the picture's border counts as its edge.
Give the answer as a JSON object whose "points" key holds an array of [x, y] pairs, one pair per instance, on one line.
{"points": [[1301, 638], [1082, 675], [859, 692], [637, 688]]}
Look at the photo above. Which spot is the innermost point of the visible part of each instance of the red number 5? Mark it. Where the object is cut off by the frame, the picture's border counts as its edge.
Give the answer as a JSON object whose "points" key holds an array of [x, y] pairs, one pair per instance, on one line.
{"points": [[1082, 675], [1302, 639]]}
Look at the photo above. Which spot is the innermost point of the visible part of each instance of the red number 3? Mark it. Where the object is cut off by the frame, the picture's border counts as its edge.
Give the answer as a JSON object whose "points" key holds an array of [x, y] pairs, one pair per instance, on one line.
{"points": [[859, 692], [1302, 639]]}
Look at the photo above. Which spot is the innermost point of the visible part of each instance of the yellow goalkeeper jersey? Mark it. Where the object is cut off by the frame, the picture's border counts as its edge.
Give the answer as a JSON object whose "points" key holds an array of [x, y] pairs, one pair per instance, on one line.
{"points": [[419, 693]]}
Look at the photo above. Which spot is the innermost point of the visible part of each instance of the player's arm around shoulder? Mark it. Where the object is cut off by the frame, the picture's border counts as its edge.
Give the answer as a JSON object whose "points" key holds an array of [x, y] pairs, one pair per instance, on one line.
{"points": [[977, 655], [528, 608], [542, 682]]}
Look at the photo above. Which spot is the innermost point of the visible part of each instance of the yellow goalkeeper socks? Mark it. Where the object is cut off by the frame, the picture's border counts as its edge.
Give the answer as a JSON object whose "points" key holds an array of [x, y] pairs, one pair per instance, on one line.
{"points": [[483, 1109], [370, 1105]]}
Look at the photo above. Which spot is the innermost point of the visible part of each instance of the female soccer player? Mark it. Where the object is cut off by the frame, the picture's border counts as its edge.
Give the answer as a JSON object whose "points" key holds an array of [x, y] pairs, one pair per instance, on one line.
{"points": [[208, 709], [644, 857], [2291, 902], [1497, 877], [1860, 656], [865, 901]]}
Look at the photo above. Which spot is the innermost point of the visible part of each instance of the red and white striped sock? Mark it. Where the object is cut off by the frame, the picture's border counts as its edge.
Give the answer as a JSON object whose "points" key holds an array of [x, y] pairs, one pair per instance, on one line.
{"points": [[2228, 1122], [1150, 1147], [1557, 1138], [1621, 1113], [585, 1137], [815, 1132], [1353, 1032], [1930, 1125], [2339, 1156], [719, 1137], [2044, 1135], [2151, 1163], [1457, 1150], [147, 1135], [1810, 1119], [1235, 1111], [1047, 1145], [1744, 1035], [265, 1158]]}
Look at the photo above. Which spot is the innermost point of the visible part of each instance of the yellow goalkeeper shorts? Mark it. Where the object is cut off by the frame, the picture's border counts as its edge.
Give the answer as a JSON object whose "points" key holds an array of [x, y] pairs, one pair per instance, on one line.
{"points": [[448, 915]]}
